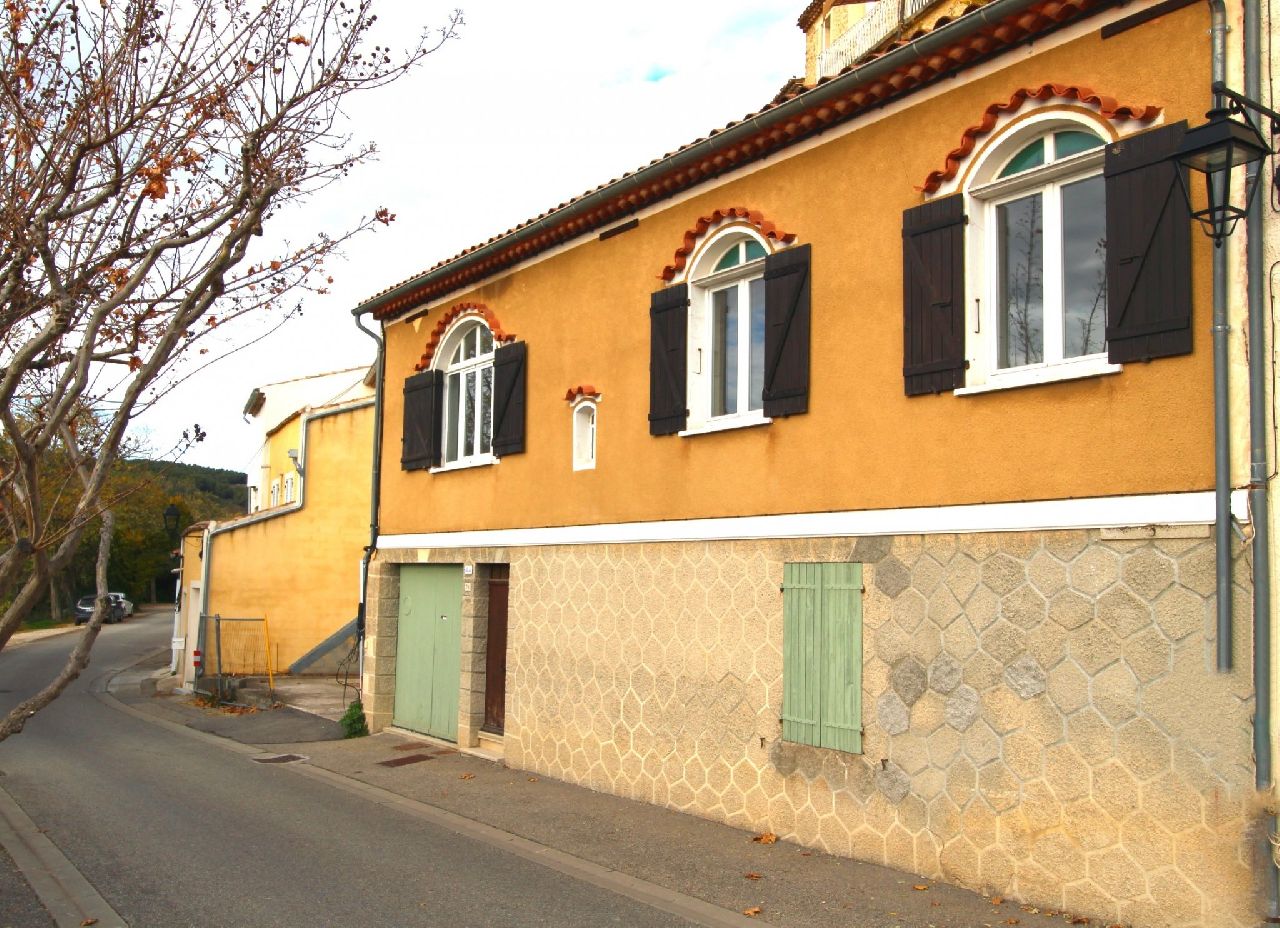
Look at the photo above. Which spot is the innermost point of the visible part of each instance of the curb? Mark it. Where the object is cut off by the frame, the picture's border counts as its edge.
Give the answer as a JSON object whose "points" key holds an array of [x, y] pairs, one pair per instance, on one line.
{"points": [[62, 889]]}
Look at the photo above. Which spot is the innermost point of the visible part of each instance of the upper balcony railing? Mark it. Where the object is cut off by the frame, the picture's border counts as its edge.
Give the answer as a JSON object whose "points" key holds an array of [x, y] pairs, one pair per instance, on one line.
{"points": [[882, 18]]}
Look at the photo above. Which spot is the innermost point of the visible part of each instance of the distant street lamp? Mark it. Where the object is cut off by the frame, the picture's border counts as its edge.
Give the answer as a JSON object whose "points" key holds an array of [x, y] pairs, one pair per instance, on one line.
{"points": [[1215, 149], [171, 516]]}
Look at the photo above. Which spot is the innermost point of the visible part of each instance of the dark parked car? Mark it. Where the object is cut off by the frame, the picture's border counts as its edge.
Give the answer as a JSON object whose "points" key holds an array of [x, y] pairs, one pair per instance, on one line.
{"points": [[84, 610]]}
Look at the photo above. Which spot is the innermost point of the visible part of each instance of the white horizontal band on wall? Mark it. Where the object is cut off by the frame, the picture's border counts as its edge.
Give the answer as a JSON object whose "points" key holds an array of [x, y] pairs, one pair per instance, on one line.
{"points": [[1042, 515]]}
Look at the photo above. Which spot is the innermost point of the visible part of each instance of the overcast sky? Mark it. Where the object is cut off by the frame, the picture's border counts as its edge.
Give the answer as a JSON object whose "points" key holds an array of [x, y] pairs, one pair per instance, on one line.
{"points": [[534, 104]]}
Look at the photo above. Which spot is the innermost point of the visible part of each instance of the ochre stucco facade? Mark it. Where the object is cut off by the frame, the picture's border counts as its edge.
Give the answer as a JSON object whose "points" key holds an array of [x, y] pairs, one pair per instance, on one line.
{"points": [[1041, 714], [863, 444], [299, 565]]}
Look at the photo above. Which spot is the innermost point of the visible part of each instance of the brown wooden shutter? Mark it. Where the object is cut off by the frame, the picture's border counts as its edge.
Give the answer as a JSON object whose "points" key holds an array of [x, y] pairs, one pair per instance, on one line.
{"points": [[420, 442], [668, 360], [933, 358], [786, 332], [1148, 249], [509, 398]]}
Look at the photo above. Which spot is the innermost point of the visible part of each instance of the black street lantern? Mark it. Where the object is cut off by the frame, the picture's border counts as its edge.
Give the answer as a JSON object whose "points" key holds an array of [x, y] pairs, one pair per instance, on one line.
{"points": [[1215, 149], [171, 516]]}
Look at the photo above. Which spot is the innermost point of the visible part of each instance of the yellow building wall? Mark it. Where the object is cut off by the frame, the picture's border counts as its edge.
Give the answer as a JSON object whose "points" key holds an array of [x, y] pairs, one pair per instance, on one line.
{"points": [[863, 444], [300, 569], [286, 436]]}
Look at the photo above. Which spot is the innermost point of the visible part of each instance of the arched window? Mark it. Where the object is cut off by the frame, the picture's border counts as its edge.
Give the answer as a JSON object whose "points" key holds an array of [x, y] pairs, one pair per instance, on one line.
{"points": [[584, 433], [466, 360], [726, 328], [1037, 243]]}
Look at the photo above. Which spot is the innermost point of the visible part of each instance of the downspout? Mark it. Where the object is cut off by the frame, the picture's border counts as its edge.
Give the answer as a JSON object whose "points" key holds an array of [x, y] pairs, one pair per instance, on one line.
{"points": [[206, 546], [1221, 425], [1259, 506], [375, 493]]}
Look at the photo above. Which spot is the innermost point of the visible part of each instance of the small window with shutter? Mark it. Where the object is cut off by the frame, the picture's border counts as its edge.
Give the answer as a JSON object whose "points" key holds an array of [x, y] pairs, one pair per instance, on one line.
{"points": [[1064, 256], [731, 344], [822, 655], [469, 408]]}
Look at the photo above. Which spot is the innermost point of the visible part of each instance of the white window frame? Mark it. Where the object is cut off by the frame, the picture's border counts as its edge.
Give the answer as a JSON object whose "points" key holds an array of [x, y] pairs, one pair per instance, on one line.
{"points": [[451, 407], [585, 426], [984, 193], [275, 492], [288, 488], [703, 284]]}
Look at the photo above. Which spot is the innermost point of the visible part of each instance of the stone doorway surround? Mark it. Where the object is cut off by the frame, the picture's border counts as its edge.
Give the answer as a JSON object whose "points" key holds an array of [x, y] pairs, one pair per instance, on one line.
{"points": [[382, 633]]}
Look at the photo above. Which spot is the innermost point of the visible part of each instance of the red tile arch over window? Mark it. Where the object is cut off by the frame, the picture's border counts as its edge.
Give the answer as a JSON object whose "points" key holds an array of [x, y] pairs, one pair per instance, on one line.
{"points": [[453, 313], [1107, 107], [692, 237], [585, 391]]}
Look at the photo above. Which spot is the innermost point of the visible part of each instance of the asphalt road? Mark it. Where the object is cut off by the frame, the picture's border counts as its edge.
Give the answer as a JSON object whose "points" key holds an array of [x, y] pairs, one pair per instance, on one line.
{"points": [[175, 832]]}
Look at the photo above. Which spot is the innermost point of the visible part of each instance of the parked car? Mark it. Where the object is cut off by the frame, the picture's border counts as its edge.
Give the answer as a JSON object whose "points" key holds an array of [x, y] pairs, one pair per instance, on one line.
{"points": [[84, 610], [125, 604]]}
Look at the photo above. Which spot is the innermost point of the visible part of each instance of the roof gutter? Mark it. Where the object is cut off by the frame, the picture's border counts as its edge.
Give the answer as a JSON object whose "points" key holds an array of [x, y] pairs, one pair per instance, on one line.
{"points": [[833, 89]]}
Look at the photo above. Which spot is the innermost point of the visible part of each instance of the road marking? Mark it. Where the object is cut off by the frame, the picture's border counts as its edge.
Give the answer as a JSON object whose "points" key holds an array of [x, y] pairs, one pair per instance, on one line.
{"points": [[63, 890], [690, 908]]}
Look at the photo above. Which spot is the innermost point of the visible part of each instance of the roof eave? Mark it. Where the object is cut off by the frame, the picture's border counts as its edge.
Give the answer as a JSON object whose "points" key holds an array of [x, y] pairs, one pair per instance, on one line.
{"points": [[401, 299]]}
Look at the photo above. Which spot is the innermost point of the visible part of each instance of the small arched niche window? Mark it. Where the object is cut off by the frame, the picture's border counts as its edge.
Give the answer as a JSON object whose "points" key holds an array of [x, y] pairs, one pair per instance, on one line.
{"points": [[727, 328], [465, 358], [584, 432], [1038, 249]]}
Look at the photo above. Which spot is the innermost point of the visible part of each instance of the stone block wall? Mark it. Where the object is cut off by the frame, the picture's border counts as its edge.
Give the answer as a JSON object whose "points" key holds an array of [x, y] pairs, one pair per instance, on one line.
{"points": [[1042, 717]]}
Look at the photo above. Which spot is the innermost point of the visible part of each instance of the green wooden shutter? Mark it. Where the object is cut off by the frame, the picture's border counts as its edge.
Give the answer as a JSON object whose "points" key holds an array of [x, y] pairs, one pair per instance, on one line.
{"points": [[801, 634], [822, 655], [841, 717]]}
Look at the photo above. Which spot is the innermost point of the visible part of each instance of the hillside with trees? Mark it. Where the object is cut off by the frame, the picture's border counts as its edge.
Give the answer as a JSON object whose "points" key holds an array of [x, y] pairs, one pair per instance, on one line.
{"points": [[142, 560]]}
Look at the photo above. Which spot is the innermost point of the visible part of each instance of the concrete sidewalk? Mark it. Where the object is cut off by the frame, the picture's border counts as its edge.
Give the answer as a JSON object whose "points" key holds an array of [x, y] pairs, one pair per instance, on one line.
{"points": [[792, 887]]}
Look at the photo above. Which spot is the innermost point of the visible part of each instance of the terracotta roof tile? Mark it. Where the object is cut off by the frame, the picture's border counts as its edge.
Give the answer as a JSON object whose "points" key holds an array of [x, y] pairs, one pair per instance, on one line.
{"points": [[1107, 106], [535, 235], [446, 320], [699, 229], [582, 390]]}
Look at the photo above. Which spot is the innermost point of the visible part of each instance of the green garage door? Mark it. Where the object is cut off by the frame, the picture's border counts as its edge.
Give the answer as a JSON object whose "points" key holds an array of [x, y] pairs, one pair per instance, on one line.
{"points": [[429, 649]]}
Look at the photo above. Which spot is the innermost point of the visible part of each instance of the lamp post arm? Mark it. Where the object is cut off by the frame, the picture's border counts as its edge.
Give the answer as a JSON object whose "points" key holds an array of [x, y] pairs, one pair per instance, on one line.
{"points": [[1244, 103]]}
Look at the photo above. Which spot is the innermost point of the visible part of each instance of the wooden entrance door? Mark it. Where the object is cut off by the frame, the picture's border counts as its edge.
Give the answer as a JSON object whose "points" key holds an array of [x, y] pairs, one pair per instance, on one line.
{"points": [[495, 661], [429, 649]]}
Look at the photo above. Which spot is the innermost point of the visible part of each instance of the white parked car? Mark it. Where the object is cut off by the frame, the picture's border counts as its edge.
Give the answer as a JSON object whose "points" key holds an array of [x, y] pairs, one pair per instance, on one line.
{"points": [[124, 603]]}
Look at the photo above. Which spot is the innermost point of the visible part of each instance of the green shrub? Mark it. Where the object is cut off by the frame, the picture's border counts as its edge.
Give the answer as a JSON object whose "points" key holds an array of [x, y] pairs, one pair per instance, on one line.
{"points": [[353, 723]]}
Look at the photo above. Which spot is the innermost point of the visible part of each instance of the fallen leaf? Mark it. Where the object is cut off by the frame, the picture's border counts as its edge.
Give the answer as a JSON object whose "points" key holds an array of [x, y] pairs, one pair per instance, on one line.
{"points": [[767, 838], [806, 853], [751, 876], [753, 911], [533, 779], [1012, 921], [920, 887], [996, 900], [935, 904], [467, 776], [88, 921], [1080, 920]]}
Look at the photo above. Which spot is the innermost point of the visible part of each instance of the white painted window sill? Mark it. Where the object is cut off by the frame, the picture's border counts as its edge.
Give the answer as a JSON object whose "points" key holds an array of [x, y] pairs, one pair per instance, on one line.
{"points": [[1042, 374], [483, 460], [726, 424]]}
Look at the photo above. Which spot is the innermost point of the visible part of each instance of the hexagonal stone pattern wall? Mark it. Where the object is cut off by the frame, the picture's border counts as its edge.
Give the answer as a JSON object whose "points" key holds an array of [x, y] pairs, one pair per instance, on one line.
{"points": [[1042, 718]]}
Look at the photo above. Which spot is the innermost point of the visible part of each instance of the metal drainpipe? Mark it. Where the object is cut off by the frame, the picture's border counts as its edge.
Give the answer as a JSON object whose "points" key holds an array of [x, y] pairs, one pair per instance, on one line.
{"points": [[375, 494], [206, 548], [1259, 505], [1221, 430]]}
